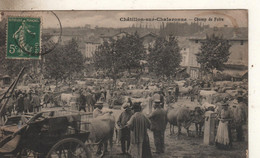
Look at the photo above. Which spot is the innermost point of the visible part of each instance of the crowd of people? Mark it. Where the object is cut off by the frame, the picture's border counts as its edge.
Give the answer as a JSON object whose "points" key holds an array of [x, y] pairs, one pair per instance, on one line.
{"points": [[23, 102], [132, 122], [134, 125]]}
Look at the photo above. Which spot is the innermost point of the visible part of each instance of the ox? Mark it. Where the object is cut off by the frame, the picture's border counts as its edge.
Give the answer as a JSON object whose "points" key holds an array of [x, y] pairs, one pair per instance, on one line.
{"points": [[66, 98], [102, 130], [185, 91], [179, 117], [182, 116]]}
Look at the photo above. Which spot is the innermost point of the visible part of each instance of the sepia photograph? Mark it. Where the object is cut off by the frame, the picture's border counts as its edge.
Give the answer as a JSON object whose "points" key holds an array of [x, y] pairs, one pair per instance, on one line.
{"points": [[124, 84]]}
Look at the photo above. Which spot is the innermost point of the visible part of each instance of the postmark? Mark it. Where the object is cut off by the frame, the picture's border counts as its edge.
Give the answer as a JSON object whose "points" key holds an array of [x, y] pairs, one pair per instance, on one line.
{"points": [[23, 38]]}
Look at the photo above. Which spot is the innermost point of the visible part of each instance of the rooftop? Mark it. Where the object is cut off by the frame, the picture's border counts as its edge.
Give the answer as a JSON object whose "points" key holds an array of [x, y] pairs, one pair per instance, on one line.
{"points": [[229, 33]]}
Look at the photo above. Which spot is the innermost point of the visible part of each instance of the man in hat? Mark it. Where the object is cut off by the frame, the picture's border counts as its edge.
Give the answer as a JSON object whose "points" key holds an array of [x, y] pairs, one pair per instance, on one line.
{"points": [[98, 109], [158, 120], [158, 96], [46, 99], [82, 101], [170, 98], [20, 104], [239, 113], [36, 102], [138, 124], [124, 130], [98, 112], [90, 101]]}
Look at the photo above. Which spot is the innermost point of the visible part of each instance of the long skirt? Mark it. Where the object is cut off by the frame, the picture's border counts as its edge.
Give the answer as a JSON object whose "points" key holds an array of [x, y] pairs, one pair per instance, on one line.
{"points": [[223, 137], [141, 150]]}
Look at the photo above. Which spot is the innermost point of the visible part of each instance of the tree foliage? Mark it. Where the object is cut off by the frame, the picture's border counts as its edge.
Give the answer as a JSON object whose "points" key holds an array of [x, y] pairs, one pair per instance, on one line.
{"points": [[65, 61], [116, 56], [2, 32], [12, 67], [132, 49], [214, 52], [164, 57]]}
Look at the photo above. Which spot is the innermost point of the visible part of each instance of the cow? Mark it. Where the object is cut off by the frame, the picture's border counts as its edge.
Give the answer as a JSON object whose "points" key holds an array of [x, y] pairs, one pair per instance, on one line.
{"points": [[181, 116], [102, 130], [218, 97], [185, 91], [66, 98]]}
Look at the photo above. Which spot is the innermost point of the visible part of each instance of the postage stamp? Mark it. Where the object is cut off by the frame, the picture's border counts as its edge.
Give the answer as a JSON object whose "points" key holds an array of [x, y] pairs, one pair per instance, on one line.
{"points": [[23, 38]]}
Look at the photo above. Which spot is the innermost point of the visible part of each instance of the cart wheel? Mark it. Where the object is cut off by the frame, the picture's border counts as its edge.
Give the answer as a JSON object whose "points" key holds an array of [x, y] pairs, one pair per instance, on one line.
{"points": [[69, 148]]}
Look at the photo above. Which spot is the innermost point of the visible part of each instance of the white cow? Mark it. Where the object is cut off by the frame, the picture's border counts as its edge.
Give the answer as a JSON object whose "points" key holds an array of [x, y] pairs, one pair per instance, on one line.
{"points": [[66, 98]]}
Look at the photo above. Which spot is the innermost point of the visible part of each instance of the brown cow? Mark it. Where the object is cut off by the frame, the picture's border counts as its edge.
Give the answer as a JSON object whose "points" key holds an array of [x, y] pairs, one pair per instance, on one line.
{"points": [[181, 116]]}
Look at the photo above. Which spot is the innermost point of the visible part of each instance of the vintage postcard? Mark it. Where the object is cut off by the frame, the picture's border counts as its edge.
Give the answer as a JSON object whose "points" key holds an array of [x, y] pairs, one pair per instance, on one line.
{"points": [[136, 83]]}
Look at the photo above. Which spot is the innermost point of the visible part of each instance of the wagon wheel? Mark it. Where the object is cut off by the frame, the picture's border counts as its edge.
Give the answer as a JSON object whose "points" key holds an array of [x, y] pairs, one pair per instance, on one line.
{"points": [[69, 148], [27, 153]]}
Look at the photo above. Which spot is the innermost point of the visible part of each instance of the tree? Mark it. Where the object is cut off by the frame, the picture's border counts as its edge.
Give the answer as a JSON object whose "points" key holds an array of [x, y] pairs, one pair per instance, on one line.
{"points": [[75, 60], [11, 66], [117, 56], [132, 49], [164, 57], [65, 61], [2, 32], [107, 59], [214, 52]]}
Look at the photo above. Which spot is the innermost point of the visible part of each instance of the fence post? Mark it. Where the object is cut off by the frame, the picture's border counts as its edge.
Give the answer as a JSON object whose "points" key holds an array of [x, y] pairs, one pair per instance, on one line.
{"points": [[209, 128]]}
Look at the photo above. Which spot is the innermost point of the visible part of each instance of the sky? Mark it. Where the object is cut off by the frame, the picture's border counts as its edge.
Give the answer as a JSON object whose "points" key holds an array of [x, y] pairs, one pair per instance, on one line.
{"points": [[232, 18]]}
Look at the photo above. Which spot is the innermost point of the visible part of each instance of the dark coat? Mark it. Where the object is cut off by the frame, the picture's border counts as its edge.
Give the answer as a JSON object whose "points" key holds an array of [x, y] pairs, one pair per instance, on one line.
{"points": [[158, 119]]}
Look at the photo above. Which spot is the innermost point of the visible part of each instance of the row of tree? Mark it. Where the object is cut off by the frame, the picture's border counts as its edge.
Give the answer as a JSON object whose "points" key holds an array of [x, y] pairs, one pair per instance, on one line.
{"points": [[115, 57], [163, 58]]}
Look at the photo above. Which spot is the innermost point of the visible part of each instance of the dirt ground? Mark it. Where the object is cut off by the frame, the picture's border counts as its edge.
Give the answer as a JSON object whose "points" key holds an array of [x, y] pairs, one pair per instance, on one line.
{"points": [[189, 147]]}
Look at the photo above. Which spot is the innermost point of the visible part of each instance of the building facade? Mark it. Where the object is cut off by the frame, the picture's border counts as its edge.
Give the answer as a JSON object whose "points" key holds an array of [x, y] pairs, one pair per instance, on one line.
{"points": [[238, 59]]}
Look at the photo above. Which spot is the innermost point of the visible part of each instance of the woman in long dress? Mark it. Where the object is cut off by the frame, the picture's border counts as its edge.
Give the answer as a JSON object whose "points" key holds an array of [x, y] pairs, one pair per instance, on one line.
{"points": [[138, 124], [223, 138]]}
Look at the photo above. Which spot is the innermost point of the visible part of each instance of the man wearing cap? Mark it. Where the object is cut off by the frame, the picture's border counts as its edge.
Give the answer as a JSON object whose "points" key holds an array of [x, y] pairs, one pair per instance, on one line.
{"points": [[124, 130], [158, 120]]}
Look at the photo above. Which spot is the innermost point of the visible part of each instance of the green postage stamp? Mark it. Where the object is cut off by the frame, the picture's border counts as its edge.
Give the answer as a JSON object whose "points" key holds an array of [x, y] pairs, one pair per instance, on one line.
{"points": [[23, 38]]}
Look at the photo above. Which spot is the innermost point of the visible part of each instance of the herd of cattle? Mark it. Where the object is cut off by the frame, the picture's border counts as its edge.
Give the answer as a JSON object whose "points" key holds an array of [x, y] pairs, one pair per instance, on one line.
{"points": [[183, 113]]}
